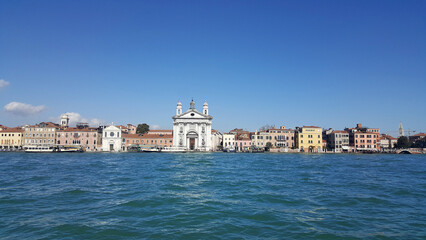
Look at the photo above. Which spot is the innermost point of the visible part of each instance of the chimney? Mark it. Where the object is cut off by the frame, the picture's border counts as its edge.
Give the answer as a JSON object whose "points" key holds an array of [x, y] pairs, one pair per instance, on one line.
{"points": [[359, 125], [282, 127]]}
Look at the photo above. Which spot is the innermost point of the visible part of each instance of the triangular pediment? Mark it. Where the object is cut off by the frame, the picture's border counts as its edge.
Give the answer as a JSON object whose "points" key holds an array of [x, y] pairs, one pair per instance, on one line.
{"points": [[193, 114]]}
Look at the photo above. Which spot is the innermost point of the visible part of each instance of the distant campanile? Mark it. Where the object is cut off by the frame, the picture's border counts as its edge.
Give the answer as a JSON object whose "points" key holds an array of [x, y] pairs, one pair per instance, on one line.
{"points": [[401, 130]]}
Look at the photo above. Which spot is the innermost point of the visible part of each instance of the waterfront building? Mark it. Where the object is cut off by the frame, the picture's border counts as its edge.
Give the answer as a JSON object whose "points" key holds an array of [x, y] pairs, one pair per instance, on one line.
{"points": [[282, 137], [229, 141], [111, 139], [216, 140], [338, 141], [147, 140], [387, 141], [367, 141], [243, 143], [11, 139], [42, 134], [309, 139], [192, 129], [364, 138], [417, 137], [86, 138], [260, 139]]}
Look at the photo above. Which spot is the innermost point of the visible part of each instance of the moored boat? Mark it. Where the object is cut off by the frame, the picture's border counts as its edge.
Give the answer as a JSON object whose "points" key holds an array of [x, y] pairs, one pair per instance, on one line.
{"points": [[39, 149], [173, 149]]}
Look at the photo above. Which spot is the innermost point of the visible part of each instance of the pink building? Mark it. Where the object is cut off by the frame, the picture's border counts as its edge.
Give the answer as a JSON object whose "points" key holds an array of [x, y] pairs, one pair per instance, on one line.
{"points": [[242, 144], [87, 138]]}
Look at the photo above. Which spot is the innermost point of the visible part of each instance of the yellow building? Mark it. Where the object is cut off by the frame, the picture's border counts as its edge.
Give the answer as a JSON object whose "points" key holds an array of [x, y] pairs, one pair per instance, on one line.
{"points": [[309, 139], [11, 139]]}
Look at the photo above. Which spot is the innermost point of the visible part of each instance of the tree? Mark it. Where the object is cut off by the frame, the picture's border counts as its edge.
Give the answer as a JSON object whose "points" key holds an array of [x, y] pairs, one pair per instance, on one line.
{"points": [[403, 142], [266, 127], [142, 128]]}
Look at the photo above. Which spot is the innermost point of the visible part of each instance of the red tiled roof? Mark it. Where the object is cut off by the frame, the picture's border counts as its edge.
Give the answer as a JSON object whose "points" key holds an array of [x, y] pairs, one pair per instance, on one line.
{"points": [[145, 136], [17, 129], [420, 135], [339, 131], [74, 129]]}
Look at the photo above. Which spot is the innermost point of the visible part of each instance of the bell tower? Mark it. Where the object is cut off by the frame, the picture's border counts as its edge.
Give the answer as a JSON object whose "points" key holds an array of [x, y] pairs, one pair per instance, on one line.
{"points": [[400, 130], [65, 120], [205, 108], [179, 108]]}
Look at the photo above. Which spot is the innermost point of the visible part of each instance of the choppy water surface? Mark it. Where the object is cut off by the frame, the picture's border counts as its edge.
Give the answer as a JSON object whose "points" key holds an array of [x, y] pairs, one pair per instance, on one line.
{"points": [[212, 196]]}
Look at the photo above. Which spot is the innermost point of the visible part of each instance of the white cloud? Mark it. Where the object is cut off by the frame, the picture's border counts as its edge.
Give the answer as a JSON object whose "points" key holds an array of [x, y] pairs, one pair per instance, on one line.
{"points": [[154, 127], [23, 109], [3, 83], [76, 118]]}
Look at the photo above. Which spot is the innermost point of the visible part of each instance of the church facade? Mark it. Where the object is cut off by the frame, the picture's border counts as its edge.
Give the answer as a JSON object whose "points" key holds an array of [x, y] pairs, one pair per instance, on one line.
{"points": [[111, 139], [192, 130]]}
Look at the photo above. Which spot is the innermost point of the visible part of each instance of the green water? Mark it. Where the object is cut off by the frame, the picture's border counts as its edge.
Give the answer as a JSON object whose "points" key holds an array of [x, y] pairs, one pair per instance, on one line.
{"points": [[212, 196]]}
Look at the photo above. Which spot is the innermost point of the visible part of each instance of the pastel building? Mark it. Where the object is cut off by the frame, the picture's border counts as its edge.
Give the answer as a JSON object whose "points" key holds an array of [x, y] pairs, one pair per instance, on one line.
{"points": [[243, 144], [229, 141], [42, 134], [260, 139], [242, 140], [387, 141], [338, 140], [309, 139], [367, 141], [282, 137], [11, 138], [216, 140], [364, 139], [86, 138], [147, 140]]}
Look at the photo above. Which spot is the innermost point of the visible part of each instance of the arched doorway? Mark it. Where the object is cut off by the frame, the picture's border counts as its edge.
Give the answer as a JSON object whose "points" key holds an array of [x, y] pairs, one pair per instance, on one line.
{"points": [[192, 139]]}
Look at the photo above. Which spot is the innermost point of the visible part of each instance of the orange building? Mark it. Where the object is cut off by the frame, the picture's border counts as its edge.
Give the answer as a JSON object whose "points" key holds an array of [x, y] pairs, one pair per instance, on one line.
{"points": [[158, 140]]}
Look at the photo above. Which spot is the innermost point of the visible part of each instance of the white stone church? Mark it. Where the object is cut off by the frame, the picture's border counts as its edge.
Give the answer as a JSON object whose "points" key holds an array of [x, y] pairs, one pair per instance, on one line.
{"points": [[192, 129]]}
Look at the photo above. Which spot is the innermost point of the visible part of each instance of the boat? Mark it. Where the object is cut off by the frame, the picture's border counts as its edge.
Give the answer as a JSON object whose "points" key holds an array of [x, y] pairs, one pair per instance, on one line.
{"points": [[69, 149], [173, 149], [152, 149], [39, 149], [229, 150]]}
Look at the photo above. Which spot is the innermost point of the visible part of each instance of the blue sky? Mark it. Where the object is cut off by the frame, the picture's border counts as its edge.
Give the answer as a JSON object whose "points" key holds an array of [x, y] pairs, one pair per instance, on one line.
{"points": [[326, 63]]}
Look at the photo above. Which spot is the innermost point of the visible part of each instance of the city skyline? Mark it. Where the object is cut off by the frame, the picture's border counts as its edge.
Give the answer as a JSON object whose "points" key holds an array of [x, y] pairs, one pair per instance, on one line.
{"points": [[331, 64]]}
